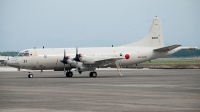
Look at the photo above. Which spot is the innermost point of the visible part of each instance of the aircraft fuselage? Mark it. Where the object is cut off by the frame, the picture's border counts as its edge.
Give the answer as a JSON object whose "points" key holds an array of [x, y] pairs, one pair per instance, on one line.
{"points": [[43, 59]]}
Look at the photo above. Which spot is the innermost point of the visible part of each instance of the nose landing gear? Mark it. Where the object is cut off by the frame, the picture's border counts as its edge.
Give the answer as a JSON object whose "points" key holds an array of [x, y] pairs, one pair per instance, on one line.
{"points": [[30, 75]]}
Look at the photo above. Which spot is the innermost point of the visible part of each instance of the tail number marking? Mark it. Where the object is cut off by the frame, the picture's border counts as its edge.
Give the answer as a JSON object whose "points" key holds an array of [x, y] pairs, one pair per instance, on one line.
{"points": [[154, 37], [142, 56]]}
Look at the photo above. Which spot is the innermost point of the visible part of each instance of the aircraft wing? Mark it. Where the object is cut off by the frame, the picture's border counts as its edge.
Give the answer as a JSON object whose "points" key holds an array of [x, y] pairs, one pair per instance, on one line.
{"points": [[168, 48], [108, 59], [3, 58], [87, 60]]}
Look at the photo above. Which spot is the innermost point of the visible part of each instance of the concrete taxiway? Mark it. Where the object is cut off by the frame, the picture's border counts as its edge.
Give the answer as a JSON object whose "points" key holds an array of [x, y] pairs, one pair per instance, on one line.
{"points": [[174, 90]]}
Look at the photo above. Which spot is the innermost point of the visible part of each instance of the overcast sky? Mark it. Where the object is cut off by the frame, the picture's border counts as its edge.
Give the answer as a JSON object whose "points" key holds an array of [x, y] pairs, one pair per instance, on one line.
{"points": [[95, 23]]}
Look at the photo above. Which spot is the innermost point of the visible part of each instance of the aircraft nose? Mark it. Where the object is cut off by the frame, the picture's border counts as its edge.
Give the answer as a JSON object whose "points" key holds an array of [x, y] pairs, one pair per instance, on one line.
{"points": [[13, 62]]}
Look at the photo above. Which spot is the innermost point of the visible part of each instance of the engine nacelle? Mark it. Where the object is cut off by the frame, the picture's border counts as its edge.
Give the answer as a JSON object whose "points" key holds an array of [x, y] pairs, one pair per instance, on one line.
{"points": [[87, 69], [87, 60], [69, 61]]}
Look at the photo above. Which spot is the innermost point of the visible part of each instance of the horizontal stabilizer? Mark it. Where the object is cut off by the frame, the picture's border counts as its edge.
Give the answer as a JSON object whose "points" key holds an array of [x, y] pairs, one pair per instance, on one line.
{"points": [[189, 48], [168, 48]]}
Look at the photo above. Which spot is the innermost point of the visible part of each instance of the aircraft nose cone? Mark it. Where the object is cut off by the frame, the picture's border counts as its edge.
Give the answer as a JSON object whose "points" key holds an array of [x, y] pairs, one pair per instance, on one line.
{"points": [[12, 62]]}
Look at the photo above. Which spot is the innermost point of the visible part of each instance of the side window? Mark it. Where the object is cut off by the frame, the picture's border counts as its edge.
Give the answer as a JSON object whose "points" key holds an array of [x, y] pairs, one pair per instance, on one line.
{"points": [[26, 54]]}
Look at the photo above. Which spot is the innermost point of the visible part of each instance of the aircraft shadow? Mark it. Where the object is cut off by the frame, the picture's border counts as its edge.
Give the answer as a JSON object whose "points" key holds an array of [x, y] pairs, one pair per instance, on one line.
{"points": [[82, 77]]}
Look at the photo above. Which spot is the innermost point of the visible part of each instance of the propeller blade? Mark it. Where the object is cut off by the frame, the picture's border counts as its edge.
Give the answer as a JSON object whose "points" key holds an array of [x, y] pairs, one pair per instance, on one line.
{"points": [[64, 69], [76, 66], [76, 50], [64, 55], [64, 60], [77, 55]]}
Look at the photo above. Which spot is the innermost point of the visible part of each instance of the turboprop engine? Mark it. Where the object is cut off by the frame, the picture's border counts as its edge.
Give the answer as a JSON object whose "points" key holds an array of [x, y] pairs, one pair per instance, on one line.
{"points": [[70, 61], [75, 62]]}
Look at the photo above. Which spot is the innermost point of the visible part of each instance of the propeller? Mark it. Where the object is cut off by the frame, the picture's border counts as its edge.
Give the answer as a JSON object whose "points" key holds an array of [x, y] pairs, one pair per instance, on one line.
{"points": [[64, 61], [77, 58], [77, 55]]}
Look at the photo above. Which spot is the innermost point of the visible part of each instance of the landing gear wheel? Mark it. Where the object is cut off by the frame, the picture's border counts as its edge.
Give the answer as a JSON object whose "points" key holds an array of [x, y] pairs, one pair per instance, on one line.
{"points": [[30, 76], [69, 74], [93, 74]]}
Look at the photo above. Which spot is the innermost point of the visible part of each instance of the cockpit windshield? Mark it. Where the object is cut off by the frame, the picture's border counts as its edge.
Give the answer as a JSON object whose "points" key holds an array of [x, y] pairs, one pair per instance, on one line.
{"points": [[20, 54], [25, 53]]}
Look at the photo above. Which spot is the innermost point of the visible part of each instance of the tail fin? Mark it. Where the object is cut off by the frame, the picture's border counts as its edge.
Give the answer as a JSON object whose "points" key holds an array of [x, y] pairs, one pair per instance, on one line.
{"points": [[154, 38]]}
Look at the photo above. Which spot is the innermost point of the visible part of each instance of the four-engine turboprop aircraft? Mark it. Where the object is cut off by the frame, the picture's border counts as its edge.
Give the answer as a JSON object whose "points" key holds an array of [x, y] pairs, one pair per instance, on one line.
{"points": [[88, 59]]}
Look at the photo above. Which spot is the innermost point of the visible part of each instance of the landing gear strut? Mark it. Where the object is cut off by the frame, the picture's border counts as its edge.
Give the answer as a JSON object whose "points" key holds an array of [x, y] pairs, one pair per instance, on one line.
{"points": [[69, 74], [30, 75], [93, 74]]}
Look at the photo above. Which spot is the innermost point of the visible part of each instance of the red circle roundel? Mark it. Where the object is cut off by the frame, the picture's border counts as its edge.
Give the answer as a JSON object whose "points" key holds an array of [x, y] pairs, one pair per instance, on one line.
{"points": [[127, 56]]}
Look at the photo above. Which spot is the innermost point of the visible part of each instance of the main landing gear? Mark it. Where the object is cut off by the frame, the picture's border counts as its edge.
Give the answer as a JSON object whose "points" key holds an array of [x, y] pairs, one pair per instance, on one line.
{"points": [[69, 74], [93, 74], [30, 75]]}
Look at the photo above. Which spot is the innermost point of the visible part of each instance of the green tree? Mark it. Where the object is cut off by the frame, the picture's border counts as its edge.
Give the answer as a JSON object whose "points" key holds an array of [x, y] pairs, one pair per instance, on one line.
{"points": [[9, 53]]}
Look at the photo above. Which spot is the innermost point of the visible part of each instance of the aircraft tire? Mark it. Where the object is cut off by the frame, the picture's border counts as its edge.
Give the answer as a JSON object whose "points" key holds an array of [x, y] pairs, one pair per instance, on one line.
{"points": [[93, 74], [69, 74], [30, 76]]}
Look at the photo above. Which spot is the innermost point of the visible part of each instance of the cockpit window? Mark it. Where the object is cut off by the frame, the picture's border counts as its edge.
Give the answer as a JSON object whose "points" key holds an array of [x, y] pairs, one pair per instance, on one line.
{"points": [[20, 54], [26, 53]]}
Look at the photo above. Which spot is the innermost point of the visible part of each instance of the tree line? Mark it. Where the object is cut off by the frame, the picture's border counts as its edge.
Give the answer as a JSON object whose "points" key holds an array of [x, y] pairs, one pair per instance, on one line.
{"points": [[185, 54], [9, 53], [179, 54]]}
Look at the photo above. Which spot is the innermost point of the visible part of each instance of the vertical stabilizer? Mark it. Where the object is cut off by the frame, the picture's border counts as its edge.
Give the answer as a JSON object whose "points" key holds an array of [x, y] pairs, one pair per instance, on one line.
{"points": [[154, 37]]}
